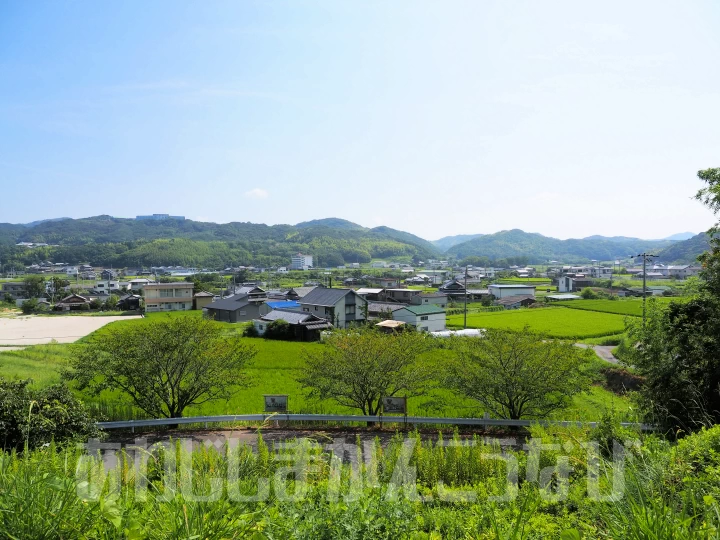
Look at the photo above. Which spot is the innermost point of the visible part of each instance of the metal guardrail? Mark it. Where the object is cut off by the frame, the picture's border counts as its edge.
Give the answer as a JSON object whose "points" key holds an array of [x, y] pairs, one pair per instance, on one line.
{"points": [[484, 422]]}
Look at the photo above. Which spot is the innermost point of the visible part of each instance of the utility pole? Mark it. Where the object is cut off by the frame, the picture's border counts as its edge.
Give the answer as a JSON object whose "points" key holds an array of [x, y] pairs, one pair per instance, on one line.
{"points": [[645, 257], [465, 315]]}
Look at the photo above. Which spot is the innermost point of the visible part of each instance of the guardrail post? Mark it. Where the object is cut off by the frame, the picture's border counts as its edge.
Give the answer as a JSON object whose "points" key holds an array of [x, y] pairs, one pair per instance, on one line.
{"points": [[132, 427], [486, 417]]}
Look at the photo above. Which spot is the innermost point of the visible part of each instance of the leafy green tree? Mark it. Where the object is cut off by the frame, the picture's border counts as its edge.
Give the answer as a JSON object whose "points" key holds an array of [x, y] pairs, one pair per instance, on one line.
{"points": [[40, 416], [518, 375], [678, 355], [34, 286], [95, 303], [165, 365], [358, 367], [112, 302], [678, 347]]}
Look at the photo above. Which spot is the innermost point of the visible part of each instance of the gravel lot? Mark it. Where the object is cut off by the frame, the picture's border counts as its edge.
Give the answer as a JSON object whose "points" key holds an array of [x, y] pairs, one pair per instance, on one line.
{"points": [[33, 330]]}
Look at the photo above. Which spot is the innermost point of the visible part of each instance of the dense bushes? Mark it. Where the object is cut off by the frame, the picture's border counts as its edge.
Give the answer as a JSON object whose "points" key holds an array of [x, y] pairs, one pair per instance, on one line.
{"points": [[35, 417]]}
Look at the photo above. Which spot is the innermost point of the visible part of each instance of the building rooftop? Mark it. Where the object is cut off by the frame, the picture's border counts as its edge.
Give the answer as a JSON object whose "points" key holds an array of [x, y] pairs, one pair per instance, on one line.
{"points": [[325, 297], [424, 310]]}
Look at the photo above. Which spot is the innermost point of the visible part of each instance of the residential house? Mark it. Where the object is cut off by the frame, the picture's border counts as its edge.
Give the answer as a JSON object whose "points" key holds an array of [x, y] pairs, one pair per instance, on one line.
{"points": [[683, 271], [370, 294], [384, 282], [236, 308], [427, 318], [253, 292], [378, 264], [105, 287], [601, 272], [73, 302], [400, 295], [138, 284], [456, 289], [503, 291], [108, 274], [202, 299], [168, 296], [305, 326], [129, 302], [342, 307], [568, 284], [15, 289], [434, 299], [515, 302], [383, 310]]}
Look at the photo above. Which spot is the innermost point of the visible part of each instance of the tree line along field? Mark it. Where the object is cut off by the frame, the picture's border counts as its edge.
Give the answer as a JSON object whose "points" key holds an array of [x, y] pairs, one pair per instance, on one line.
{"points": [[274, 370], [552, 321]]}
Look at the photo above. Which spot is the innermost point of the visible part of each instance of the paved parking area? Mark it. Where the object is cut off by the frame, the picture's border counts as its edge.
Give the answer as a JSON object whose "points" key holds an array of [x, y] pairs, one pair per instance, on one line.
{"points": [[34, 330]]}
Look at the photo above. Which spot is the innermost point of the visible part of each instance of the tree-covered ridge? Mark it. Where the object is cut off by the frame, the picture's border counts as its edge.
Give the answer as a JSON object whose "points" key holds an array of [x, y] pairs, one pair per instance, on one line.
{"points": [[540, 248], [686, 251]]}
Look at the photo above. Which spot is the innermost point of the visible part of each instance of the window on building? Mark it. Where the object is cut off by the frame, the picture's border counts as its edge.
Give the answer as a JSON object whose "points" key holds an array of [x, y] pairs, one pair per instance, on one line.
{"points": [[242, 313], [350, 310], [166, 293], [424, 318]]}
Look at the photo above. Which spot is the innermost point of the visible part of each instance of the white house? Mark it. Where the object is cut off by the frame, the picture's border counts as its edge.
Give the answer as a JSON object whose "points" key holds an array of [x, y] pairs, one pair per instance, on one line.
{"points": [[503, 291], [378, 264], [429, 318]]}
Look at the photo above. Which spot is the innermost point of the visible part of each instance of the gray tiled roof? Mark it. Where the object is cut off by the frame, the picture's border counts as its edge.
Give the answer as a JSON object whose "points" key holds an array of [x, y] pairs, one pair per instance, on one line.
{"points": [[325, 297], [232, 303], [377, 307], [303, 291]]}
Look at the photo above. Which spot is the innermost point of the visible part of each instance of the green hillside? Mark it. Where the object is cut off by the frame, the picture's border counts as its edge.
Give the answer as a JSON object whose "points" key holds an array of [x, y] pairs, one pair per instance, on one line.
{"points": [[540, 248], [104, 240], [686, 251]]}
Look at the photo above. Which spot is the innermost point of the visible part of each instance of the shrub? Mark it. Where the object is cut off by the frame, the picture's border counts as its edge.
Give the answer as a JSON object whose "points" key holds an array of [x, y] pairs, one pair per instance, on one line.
{"points": [[40, 416], [588, 294], [95, 304], [29, 306], [250, 331], [279, 329]]}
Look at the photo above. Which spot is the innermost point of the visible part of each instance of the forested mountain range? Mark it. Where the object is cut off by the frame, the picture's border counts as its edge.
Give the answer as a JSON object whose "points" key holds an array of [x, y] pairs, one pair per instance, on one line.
{"points": [[106, 240]]}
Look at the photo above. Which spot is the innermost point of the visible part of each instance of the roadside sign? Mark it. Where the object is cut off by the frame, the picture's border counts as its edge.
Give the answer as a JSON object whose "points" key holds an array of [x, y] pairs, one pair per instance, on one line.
{"points": [[276, 403], [394, 405]]}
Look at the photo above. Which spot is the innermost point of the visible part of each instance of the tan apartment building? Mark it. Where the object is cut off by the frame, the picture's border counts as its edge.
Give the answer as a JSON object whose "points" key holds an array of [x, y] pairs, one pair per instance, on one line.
{"points": [[168, 296]]}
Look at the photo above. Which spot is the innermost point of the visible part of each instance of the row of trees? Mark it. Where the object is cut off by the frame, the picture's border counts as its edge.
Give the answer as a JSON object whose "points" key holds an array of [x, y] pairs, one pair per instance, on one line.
{"points": [[166, 366]]}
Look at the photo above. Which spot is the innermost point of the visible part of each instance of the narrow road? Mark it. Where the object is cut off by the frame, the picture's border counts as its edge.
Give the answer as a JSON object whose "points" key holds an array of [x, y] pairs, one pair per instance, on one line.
{"points": [[603, 351]]}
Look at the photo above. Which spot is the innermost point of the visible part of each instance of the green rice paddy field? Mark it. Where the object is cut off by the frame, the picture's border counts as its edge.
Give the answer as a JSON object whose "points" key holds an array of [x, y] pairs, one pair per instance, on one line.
{"points": [[553, 321], [275, 370], [629, 306]]}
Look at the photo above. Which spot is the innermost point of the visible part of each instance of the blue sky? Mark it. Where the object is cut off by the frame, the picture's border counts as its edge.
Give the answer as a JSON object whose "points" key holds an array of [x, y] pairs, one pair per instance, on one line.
{"points": [[439, 118]]}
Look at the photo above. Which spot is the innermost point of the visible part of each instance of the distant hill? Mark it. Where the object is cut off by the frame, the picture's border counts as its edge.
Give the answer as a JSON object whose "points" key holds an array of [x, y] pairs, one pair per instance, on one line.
{"points": [[539, 248], [680, 236], [612, 238], [446, 242], [335, 223], [686, 251], [105, 240], [406, 237], [38, 222]]}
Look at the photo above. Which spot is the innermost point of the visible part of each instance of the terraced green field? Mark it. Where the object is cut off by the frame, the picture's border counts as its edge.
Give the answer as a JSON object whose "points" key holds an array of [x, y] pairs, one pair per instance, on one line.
{"points": [[630, 306], [555, 322]]}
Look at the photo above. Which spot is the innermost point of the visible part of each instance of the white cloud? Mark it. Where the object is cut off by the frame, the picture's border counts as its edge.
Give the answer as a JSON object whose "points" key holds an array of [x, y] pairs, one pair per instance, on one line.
{"points": [[257, 193]]}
